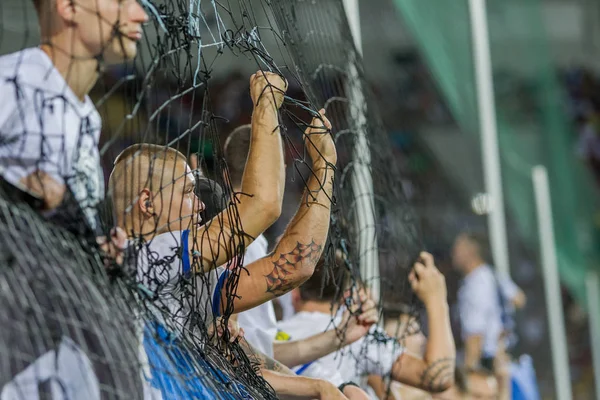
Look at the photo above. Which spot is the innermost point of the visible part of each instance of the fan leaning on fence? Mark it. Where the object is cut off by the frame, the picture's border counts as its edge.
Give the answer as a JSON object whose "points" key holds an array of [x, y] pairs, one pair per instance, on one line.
{"points": [[153, 191]]}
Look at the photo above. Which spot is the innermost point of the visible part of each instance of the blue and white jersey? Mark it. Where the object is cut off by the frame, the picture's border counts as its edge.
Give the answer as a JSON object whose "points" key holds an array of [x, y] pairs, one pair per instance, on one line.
{"points": [[175, 292], [177, 297]]}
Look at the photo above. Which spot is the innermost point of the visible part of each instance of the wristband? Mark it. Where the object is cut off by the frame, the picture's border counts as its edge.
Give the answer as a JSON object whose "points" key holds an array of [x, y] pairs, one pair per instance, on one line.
{"points": [[343, 385]]}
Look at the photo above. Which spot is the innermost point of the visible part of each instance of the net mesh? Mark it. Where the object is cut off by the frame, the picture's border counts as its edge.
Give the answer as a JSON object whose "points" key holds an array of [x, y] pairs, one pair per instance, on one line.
{"points": [[131, 329]]}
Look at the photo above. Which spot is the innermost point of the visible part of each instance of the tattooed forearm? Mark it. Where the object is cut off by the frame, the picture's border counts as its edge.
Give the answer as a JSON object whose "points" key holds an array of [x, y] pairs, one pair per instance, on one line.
{"points": [[263, 360], [282, 279], [438, 375], [274, 365]]}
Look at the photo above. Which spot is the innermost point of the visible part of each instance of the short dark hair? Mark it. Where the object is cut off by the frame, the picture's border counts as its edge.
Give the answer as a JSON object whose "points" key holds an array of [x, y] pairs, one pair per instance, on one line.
{"points": [[235, 150], [328, 282], [38, 4], [480, 239], [394, 309], [213, 197]]}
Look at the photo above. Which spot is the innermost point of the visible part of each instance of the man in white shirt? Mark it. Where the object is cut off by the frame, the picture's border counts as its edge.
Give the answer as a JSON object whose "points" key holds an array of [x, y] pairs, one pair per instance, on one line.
{"points": [[433, 373], [479, 302], [49, 132], [154, 199], [153, 188], [259, 323], [49, 127]]}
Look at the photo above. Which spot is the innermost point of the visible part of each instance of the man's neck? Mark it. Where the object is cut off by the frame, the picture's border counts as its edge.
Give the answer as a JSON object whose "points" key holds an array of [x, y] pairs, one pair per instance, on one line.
{"points": [[473, 265], [316, 306], [80, 74]]}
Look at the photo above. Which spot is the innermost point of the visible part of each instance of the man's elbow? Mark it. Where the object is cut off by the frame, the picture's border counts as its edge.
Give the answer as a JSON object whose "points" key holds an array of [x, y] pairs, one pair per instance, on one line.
{"points": [[275, 208], [444, 384], [270, 207], [439, 375], [306, 272]]}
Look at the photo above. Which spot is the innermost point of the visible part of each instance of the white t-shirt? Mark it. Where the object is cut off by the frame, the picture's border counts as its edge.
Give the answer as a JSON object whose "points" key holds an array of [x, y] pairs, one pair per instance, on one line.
{"points": [[259, 323], [351, 363], [43, 125], [479, 308], [176, 293]]}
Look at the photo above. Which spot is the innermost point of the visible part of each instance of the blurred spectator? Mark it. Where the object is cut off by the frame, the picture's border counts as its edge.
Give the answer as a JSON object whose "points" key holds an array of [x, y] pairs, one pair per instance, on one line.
{"points": [[588, 144], [583, 89], [479, 303]]}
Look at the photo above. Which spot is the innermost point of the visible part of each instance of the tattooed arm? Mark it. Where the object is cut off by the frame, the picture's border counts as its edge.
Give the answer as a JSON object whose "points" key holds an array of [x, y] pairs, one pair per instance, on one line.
{"points": [[293, 260], [300, 387], [264, 361], [286, 383], [435, 372]]}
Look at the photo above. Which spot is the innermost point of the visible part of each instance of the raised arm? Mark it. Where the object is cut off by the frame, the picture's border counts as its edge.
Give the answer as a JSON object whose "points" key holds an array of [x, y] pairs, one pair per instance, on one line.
{"points": [[258, 205], [435, 372], [293, 260], [298, 352]]}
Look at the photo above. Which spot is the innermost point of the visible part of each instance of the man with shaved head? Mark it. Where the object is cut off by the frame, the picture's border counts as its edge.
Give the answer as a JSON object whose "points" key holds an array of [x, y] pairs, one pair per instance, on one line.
{"points": [[180, 258]]}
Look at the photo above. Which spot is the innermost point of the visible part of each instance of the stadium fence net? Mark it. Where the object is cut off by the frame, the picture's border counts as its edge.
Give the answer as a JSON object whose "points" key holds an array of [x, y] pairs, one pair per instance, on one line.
{"points": [[62, 306]]}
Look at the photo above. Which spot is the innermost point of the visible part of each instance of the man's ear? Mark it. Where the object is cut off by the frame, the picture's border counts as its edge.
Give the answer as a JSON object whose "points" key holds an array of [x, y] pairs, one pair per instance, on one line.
{"points": [[145, 203], [66, 10]]}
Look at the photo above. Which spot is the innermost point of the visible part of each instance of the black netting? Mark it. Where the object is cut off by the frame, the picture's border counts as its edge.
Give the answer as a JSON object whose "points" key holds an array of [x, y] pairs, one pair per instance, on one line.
{"points": [[320, 44], [138, 327]]}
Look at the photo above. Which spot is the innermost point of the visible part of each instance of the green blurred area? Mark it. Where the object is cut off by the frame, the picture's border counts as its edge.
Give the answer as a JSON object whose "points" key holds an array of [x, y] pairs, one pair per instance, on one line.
{"points": [[533, 125]]}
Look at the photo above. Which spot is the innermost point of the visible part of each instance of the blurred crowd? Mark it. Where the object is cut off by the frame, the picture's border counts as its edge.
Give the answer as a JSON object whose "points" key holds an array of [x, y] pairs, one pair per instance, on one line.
{"points": [[583, 101]]}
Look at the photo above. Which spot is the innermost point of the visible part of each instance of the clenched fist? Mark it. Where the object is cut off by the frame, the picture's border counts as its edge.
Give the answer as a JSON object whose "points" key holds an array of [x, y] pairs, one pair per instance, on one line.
{"points": [[357, 326], [318, 140], [267, 88], [236, 332], [41, 184], [427, 281], [114, 246]]}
